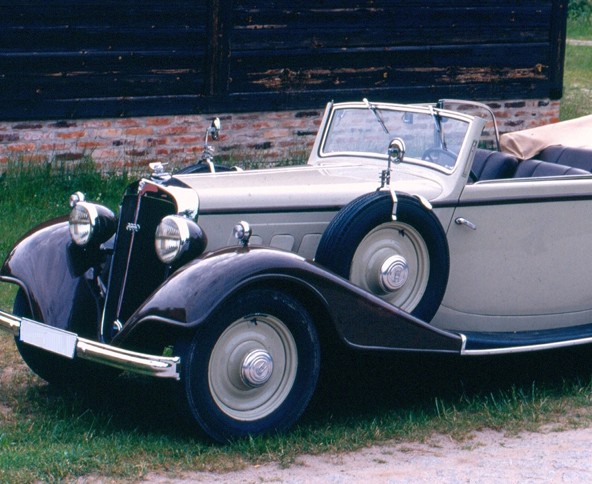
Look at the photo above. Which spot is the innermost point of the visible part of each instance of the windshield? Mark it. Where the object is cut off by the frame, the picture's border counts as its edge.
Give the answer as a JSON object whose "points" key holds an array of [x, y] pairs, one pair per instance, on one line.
{"points": [[429, 138]]}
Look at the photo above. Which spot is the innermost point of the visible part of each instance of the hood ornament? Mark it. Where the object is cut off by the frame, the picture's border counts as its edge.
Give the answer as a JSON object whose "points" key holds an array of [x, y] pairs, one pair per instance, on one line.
{"points": [[158, 172]]}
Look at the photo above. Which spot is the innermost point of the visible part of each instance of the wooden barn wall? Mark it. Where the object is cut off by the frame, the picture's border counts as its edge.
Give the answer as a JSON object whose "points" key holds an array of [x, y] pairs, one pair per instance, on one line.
{"points": [[113, 58]]}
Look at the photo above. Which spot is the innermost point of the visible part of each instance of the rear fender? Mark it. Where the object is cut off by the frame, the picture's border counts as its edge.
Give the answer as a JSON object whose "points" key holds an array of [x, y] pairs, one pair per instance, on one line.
{"points": [[51, 271], [193, 294]]}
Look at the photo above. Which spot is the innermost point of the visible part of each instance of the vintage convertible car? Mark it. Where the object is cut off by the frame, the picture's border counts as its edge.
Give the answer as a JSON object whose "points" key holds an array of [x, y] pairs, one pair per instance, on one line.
{"points": [[402, 233]]}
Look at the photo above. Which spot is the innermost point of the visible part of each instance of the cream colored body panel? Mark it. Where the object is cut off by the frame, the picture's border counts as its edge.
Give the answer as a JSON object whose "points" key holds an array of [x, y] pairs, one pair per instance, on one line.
{"points": [[289, 208], [525, 267], [527, 264], [298, 232], [302, 187]]}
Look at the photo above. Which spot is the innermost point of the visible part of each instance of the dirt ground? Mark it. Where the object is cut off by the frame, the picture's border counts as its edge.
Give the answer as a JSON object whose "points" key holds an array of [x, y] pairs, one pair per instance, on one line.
{"points": [[547, 456]]}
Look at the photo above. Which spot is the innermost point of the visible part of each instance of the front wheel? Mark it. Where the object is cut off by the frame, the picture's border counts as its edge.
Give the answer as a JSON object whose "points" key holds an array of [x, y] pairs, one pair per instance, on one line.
{"points": [[252, 368]]}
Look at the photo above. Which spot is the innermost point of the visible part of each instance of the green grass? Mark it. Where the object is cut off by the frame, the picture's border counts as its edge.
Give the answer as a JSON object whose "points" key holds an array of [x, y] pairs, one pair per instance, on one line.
{"points": [[131, 430], [32, 193], [579, 29], [579, 19], [577, 82]]}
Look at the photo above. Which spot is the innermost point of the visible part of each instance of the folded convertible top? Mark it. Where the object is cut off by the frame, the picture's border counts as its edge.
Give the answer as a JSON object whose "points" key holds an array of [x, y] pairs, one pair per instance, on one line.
{"points": [[574, 133]]}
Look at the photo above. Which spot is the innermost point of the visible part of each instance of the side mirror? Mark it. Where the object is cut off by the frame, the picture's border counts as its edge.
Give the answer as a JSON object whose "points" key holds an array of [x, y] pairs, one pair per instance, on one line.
{"points": [[396, 150], [212, 133], [214, 130]]}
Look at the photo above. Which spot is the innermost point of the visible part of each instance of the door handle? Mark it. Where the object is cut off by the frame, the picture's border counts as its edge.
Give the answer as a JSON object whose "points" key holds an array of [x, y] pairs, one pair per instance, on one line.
{"points": [[464, 221]]}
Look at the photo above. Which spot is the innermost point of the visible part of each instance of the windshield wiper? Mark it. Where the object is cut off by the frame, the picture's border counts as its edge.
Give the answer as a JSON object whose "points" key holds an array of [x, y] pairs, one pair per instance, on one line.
{"points": [[372, 108]]}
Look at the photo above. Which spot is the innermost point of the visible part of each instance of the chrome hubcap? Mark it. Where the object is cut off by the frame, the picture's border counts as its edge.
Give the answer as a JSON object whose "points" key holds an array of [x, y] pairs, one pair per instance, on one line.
{"points": [[257, 368], [394, 273], [253, 367], [393, 262]]}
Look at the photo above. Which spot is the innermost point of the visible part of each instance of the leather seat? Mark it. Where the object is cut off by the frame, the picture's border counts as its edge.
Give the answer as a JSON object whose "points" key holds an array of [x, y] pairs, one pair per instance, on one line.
{"points": [[537, 168], [492, 165], [576, 157]]}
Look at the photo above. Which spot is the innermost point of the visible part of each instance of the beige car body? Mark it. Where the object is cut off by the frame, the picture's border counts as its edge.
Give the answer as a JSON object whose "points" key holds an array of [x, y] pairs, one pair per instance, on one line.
{"points": [[525, 267]]}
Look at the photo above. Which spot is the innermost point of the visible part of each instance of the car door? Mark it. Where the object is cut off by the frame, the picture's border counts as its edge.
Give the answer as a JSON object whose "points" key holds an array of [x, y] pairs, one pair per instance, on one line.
{"points": [[520, 256]]}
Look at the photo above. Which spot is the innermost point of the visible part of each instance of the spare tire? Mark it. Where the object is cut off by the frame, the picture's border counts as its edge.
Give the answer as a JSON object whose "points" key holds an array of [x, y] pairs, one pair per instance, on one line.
{"points": [[405, 261]]}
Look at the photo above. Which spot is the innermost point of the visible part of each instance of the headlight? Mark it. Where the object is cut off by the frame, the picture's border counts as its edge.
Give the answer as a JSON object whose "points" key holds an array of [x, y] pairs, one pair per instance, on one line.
{"points": [[178, 237], [91, 224]]}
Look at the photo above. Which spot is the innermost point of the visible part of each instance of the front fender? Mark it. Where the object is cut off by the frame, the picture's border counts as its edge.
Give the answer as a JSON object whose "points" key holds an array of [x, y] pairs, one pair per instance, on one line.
{"points": [[195, 291], [50, 270], [361, 320]]}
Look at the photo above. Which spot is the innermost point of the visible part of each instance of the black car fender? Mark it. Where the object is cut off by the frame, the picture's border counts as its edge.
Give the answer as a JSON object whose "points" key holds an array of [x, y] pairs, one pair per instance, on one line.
{"points": [[195, 292], [50, 270]]}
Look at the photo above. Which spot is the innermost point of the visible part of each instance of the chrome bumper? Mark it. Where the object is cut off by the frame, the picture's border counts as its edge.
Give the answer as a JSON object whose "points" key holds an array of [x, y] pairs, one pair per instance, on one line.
{"points": [[54, 340]]}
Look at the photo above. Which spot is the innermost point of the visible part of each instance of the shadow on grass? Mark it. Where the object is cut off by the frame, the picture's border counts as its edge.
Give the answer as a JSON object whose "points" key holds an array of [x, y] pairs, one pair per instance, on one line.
{"points": [[372, 385], [128, 403], [361, 387]]}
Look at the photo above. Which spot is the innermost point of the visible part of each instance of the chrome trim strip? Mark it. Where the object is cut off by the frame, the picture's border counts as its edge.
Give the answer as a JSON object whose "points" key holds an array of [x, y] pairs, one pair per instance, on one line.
{"points": [[525, 348], [10, 323], [142, 363], [463, 345]]}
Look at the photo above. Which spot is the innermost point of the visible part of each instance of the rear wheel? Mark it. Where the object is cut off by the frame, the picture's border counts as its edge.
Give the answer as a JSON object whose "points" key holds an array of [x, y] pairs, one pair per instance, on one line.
{"points": [[253, 367]]}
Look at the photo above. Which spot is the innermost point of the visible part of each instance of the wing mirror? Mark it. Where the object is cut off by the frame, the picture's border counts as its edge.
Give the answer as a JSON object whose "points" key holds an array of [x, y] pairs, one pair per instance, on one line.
{"points": [[396, 150], [214, 130], [396, 153]]}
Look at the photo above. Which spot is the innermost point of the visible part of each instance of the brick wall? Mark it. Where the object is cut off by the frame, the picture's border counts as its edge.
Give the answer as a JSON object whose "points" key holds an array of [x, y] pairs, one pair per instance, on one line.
{"points": [[260, 137]]}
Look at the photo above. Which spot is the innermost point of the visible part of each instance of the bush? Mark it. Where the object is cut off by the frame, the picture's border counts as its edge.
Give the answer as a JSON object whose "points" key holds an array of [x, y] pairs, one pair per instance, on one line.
{"points": [[580, 9]]}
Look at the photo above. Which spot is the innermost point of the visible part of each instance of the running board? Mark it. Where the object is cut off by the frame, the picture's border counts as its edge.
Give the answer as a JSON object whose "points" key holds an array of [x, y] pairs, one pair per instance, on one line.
{"points": [[494, 343]]}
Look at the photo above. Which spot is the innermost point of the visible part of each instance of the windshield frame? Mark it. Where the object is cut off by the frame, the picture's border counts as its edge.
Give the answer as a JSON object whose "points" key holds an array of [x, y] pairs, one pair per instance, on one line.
{"points": [[427, 110]]}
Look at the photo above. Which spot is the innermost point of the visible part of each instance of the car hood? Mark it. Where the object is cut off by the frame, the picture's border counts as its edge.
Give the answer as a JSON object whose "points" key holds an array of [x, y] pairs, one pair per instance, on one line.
{"points": [[299, 187]]}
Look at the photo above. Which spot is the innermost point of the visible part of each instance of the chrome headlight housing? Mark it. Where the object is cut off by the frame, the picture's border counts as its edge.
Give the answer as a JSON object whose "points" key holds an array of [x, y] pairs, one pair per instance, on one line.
{"points": [[177, 238], [91, 224]]}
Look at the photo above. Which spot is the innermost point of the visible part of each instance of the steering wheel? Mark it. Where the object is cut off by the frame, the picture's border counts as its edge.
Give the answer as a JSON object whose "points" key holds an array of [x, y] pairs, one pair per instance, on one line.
{"points": [[435, 155]]}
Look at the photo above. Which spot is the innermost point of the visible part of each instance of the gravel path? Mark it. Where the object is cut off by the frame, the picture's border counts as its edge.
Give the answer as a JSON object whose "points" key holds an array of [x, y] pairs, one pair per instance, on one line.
{"points": [[579, 42], [486, 457]]}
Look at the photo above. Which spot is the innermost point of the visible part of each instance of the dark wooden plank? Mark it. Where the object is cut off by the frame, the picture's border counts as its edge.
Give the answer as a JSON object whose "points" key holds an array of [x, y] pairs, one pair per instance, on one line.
{"points": [[71, 58], [387, 24], [106, 86], [159, 79], [557, 36], [101, 107], [99, 40], [60, 25], [196, 104], [413, 66], [218, 47]]}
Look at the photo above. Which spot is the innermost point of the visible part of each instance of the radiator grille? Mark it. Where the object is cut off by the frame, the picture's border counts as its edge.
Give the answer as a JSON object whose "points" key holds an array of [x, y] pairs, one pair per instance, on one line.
{"points": [[135, 270]]}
